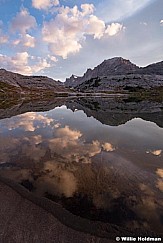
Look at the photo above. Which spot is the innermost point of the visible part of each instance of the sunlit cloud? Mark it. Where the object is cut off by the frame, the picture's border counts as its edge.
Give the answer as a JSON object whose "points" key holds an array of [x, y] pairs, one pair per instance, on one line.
{"points": [[20, 62], [25, 40], [71, 27], [114, 28], [44, 4]]}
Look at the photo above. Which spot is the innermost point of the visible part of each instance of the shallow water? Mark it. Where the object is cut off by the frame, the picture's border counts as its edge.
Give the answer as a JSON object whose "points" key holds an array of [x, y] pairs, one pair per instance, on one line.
{"points": [[102, 164]]}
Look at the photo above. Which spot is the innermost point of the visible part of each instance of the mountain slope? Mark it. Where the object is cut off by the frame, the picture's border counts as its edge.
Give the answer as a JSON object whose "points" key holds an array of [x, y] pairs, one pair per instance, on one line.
{"points": [[11, 83], [155, 68]]}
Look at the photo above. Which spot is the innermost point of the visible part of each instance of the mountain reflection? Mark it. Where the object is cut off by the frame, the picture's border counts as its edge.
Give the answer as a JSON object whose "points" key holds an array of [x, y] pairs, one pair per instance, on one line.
{"points": [[109, 111], [107, 173]]}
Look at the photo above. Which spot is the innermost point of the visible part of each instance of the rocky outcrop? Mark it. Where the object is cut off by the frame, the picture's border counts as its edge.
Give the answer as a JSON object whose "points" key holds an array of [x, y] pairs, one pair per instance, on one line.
{"points": [[70, 82], [129, 82], [26, 218]]}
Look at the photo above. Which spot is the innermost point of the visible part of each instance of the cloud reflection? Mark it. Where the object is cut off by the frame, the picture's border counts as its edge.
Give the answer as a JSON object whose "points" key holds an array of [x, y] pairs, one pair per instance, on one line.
{"points": [[69, 145], [159, 183], [28, 121]]}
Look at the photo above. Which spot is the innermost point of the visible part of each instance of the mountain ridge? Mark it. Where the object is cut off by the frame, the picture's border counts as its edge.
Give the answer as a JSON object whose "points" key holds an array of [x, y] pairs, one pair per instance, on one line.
{"points": [[114, 67], [115, 74]]}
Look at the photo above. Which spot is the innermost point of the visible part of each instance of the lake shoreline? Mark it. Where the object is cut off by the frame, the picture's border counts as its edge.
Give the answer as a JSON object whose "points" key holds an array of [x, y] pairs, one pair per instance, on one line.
{"points": [[96, 229]]}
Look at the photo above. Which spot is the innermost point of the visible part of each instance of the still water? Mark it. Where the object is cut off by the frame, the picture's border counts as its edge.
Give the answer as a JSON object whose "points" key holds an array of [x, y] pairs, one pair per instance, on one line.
{"points": [[99, 164]]}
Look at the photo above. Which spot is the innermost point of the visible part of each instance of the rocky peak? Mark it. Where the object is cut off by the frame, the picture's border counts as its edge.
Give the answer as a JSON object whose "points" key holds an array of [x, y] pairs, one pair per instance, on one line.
{"points": [[71, 81], [110, 67], [115, 66]]}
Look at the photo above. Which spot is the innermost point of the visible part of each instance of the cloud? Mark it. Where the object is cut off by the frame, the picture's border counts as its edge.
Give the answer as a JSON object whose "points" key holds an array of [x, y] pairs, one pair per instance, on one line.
{"points": [[114, 28], [25, 40], [66, 33], [44, 4], [23, 22], [95, 27], [161, 22], [63, 34], [87, 9], [18, 63], [119, 9], [22, 63], [52, 58]]}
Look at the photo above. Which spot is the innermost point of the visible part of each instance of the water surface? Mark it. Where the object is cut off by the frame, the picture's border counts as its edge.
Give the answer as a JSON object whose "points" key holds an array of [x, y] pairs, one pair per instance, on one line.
{"points": [[104, 164]]}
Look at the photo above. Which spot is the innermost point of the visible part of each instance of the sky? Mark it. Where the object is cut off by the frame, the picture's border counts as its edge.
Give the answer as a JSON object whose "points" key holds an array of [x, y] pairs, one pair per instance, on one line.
{"points": [[58, 38]]}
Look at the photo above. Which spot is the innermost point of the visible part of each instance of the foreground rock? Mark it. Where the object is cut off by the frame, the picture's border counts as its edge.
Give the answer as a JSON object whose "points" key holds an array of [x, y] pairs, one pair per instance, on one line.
{"points": [[22, 220]]}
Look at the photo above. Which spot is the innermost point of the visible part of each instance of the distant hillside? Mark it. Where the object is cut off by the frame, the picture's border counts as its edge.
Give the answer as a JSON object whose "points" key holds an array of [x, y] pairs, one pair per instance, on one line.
{"points": [[118, 74], [14, 83]]}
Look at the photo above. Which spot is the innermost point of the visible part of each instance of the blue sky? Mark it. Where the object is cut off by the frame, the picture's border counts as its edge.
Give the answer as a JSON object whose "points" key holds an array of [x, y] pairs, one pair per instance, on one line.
{"points": [[57, 38]]}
